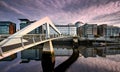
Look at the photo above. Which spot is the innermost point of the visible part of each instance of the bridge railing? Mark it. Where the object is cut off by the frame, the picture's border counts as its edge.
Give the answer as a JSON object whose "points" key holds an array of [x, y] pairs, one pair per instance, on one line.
{"points": [[4, 36], [32, 38], [22, 41]]}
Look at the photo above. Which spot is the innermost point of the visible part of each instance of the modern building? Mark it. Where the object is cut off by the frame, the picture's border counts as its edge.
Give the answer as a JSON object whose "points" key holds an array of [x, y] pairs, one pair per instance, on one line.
{"points": [[107, 31], [79, 28], [115, 31], [69, 29], [7, 27], [89, 30], [102, 29], [80, 31], [26, 22]]}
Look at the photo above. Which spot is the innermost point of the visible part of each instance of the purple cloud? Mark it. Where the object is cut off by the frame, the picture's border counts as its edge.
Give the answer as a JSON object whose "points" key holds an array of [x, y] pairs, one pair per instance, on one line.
{"points": [[62, 11]]}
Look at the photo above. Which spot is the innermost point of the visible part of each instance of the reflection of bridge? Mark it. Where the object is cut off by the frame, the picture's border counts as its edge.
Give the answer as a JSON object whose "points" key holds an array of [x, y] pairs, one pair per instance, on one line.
{"points": [[21, 40]]}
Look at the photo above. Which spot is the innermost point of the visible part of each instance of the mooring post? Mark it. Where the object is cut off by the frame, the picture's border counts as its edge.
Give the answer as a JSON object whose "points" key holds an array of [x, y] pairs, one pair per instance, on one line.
{"points": [[75, 42], [47, 31]]}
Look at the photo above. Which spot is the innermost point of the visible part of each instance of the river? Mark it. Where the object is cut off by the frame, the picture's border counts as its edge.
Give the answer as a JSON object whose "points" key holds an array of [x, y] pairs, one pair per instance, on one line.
{"points": [[67, 59]]}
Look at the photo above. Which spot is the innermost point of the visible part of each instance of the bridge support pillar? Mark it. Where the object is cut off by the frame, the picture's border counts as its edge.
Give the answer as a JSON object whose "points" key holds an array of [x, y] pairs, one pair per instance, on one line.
{"points": [[47, 31], [48, 58]]}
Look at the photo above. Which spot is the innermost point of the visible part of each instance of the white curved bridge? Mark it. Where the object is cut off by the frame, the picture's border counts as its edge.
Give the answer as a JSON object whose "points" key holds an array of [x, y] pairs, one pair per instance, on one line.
{"points": [[21, 40]]}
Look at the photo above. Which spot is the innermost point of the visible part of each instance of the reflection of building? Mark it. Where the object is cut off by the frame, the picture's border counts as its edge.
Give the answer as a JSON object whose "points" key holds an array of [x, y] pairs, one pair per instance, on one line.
{"points": [[7, 27], [33, 53], [63, 52], [10, 58], [66, 29], [25, 22], [89, 30]]}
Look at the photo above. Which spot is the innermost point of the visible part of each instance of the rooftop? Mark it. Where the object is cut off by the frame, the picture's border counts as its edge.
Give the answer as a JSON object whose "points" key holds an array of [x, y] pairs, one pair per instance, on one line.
{"points": [[4, 22], [24, 20], [65, 25]]}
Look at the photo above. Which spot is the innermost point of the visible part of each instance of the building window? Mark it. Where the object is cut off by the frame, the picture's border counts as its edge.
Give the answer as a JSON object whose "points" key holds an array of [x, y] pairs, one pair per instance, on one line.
{"points": [[4, 29]]}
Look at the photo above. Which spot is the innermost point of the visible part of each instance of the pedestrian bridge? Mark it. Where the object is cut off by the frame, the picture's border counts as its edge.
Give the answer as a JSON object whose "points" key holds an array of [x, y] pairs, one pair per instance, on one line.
{"points": [[21, 40]]}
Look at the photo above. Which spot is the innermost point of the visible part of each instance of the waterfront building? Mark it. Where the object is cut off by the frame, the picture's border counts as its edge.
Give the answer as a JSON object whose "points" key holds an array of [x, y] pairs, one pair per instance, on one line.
{"points": [[80, 31], [112, 31], [107, 31], [26, 22], [115, 31], [69, 29], [102, 29], [7, 27], [89, 30], [79, 28]]}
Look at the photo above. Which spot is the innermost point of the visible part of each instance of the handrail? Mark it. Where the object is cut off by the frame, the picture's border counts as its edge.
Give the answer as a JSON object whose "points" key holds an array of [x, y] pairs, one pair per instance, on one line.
{"points": [[22, 46]]}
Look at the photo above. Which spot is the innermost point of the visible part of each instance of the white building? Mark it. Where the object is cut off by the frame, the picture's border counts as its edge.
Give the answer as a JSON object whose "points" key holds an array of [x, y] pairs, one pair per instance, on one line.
{"points": [[65, 29]]}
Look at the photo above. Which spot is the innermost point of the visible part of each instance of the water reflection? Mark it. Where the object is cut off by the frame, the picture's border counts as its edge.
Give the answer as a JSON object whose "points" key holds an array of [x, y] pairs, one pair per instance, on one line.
{"points": [[99, 51], [65, 65], [32, 59], [10, 58], [33, 53]]}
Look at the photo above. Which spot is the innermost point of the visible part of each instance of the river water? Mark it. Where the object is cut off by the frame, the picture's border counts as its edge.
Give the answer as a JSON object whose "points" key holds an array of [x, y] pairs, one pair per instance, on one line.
{"points": [[67, 59]]}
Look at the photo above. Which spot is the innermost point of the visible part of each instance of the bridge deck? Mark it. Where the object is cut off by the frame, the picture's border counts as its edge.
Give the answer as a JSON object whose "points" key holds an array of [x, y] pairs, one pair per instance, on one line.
{"points": [[11, 49]]}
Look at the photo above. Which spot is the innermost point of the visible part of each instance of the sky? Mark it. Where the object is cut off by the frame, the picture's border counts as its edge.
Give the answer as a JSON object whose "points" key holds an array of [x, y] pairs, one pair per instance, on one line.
{"points": [[62, 11]]}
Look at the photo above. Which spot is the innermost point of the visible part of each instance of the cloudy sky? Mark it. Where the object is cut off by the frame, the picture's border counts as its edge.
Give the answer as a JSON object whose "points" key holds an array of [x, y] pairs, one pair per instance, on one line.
{"points": [[62, 11]]}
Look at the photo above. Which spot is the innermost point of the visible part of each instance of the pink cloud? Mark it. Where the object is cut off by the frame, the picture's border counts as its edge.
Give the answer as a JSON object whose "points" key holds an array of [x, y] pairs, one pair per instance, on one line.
{"points": [[67, 11], [13, 9]]}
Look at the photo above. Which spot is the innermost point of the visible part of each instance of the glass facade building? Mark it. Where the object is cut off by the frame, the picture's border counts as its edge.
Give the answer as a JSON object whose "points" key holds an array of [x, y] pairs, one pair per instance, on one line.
{"points": [[102, 29], [7, 27], [89, 30], [107, 31], [26, 22]]}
